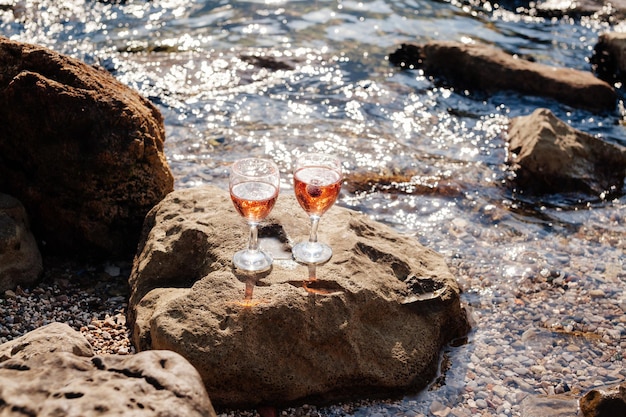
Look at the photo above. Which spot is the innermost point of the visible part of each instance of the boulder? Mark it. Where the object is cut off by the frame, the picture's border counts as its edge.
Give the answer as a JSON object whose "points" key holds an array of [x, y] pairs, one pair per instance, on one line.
{"points": [[52, 371], [483, 68], [81, 151], [548, 156], [609, 57], [20, 259], [604, 402], [371, 321]]}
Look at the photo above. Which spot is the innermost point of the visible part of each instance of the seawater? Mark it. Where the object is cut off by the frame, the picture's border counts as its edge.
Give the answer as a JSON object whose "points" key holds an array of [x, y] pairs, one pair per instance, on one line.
{"points": [[330, 88]]}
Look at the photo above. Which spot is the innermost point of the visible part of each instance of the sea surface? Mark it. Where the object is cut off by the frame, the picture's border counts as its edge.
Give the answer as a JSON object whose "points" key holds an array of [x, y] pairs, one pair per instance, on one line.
{"points": [[542, 277]]}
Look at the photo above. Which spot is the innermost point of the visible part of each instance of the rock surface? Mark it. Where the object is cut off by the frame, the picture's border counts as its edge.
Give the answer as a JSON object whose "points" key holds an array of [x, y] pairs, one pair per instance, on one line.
{"points": [[484, 68], [52, 372], [609, 56], [373, 320], [20, 260], [80, 150], [604, 402], [547, 155], [549, 406]]}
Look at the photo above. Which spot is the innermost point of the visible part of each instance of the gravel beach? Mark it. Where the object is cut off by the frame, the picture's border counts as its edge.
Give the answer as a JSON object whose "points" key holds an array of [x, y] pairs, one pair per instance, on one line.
{"points": [[92, 300], [543, 278], [546, 332]]}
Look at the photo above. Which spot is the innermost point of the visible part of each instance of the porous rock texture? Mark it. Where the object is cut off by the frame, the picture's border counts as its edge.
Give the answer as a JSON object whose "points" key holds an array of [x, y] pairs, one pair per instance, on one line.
{"points": [[604, 402], [82, 152], [52, 371], [373, 320], [480, 67], [547, 155], [20, 259]]}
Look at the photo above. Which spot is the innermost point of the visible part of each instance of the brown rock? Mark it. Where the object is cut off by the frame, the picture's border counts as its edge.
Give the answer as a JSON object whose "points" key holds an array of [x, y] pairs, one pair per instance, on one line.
{"points": [[547, 155], [55, 337], [52, 372], [80, 150], [20, 260], [483, 68], [372, 322], [604, 402]]}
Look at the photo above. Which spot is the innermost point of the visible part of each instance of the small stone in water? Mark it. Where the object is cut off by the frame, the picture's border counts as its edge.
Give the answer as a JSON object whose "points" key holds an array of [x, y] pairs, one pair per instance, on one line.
{"points": [[112, 270]]}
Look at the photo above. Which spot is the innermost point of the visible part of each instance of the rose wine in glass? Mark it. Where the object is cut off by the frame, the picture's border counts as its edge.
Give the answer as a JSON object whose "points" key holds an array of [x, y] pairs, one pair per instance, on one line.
{"points": [[254, 185], [317, 182]]}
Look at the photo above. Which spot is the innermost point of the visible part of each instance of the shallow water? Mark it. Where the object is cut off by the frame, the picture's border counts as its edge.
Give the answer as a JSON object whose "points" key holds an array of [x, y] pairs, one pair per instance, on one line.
{"points": [[548, 272]]}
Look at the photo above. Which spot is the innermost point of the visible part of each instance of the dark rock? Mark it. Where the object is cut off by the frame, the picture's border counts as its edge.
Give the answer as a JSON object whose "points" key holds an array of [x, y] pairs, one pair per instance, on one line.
{"points": [[609, 57], [549, 156], [604, 402], [20, 260], [80, 150], [269, 62], [369, 322], [482, 68], [602, 10]]}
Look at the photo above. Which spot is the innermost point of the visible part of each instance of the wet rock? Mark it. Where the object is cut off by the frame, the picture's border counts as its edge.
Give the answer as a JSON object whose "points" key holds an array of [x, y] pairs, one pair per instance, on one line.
{"points": [[549, 405], [604, 402], [483, 68], [547, 155], [20, 260], [270, 62], [402, 183], [609, 56], [370, 321], [80, 150], [52, 371], [613, 11]]}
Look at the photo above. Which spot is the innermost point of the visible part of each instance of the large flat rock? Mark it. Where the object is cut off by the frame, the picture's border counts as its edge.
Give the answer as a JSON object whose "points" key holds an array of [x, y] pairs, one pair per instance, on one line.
{"points": [[373, 321]]}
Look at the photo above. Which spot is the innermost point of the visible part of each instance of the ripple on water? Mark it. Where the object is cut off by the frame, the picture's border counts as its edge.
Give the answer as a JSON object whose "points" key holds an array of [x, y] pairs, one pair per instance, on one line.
{"points": [[542, 279]]}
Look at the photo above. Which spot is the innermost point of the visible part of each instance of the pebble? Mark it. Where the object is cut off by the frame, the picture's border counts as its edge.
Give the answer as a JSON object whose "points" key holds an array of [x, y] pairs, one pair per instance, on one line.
{"points": [[542, 324], [66, 294]]}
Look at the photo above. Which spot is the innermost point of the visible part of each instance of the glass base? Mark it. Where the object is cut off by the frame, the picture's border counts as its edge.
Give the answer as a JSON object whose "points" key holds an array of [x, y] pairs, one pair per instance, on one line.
{"points": [[252, 260], [311, 253]]}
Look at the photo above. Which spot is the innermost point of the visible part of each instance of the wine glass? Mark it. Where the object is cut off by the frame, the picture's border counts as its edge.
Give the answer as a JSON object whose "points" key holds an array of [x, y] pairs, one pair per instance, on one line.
{"points": [[317, 182], [254, 185]]}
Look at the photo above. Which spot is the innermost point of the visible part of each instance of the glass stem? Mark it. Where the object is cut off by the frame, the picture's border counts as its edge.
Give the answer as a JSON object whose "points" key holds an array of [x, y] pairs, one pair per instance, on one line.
{"points": [[315, 221], [253, 242]]}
